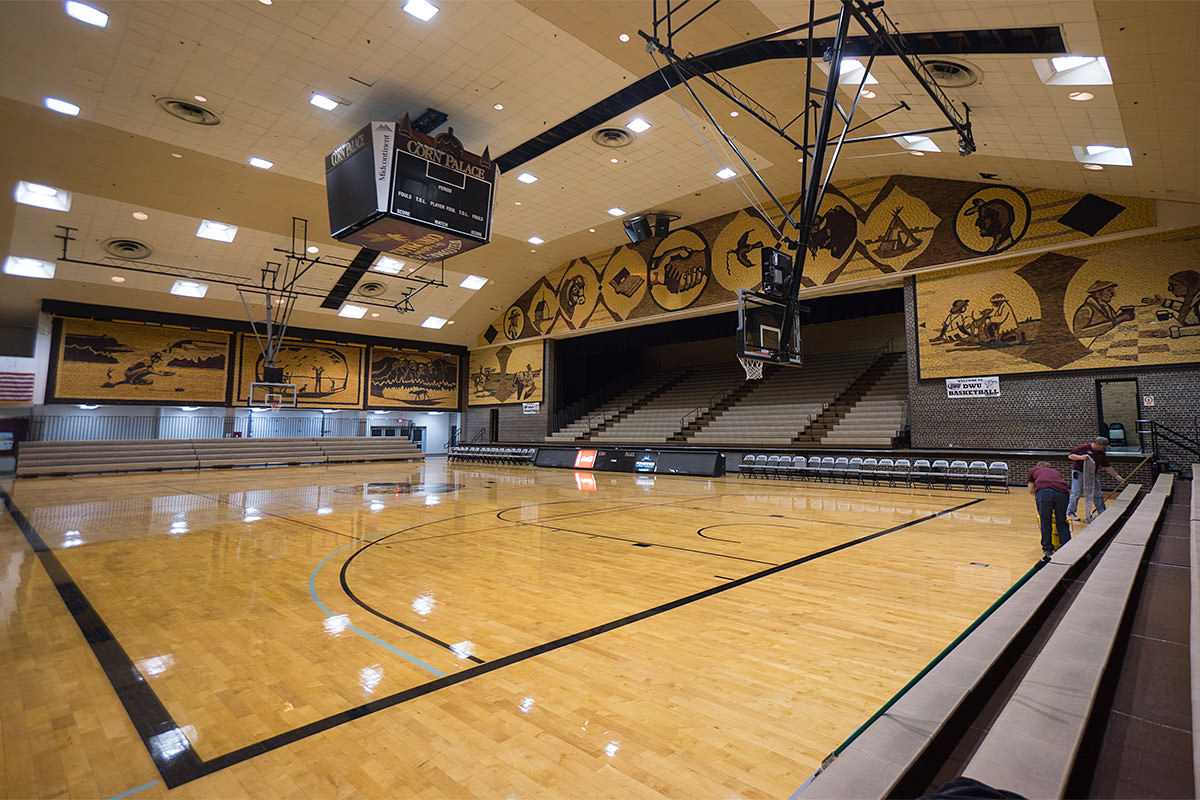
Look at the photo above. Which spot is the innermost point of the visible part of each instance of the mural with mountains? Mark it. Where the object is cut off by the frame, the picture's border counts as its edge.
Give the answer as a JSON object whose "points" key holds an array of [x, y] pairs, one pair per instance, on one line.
{"points": [[412, 379]]}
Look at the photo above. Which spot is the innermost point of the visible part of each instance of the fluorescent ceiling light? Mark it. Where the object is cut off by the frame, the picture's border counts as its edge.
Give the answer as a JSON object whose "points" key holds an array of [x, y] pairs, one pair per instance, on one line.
{"points": [[473, 282], [85, 13], [617, 211], [352, 311], [42, 196], [261, 163], [525, 177], [389, 265], [28, 267], [725, 173], [421, 9], [1073, 71], [321, 101], [638, 125], [918, 143], [433, 322], [61, 106], [217, 231], [540, 240], [852, 71], [1080, 97], [141, 216], [1103, 154], [189, 288]]}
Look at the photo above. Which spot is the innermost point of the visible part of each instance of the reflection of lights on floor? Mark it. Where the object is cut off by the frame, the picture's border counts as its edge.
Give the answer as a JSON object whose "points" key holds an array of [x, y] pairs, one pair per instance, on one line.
{"points": [[432, 500], [169, 744], [370, 677], [72, 539], [178, 527], [526, 704], [424, 604], [463, 649], [611, 749], [335, 625], [150, 667], [377, 506], [324, 510]]}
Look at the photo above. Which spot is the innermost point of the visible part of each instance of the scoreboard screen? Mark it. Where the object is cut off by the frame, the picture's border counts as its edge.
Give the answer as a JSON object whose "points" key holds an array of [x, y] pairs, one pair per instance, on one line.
{"points": [[430, 193]]}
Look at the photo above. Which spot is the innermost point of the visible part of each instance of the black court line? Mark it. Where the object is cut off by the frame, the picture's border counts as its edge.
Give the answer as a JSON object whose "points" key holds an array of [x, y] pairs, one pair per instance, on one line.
{"points": [[177, 761]]}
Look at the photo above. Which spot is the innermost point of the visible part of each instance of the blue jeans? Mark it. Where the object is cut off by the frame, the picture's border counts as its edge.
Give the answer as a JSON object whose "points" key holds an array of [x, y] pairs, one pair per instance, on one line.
{"points": [[1051, 502], [1077, 491]]}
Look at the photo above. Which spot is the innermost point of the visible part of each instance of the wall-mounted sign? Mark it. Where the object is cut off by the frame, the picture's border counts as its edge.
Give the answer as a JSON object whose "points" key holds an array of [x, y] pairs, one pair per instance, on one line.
{"points": [[988, 386], [531, 408]]}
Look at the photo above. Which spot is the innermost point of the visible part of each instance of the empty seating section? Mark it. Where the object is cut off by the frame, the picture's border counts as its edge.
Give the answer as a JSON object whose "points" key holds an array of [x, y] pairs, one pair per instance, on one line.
{"points": [[893, 472], [490, 454], [616, 405], [781, 405], [657, 421], [878, 417], [131, 455]]}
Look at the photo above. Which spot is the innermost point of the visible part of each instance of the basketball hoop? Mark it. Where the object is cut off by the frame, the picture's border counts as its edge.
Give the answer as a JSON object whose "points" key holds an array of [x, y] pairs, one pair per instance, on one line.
{"points": [[274, 402], [753, 367]]}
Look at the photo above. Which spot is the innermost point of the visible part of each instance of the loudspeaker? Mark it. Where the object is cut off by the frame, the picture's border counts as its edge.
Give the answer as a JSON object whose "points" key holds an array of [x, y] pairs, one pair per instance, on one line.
{"points": [[662, 225], [272, 374], [637, 229]]}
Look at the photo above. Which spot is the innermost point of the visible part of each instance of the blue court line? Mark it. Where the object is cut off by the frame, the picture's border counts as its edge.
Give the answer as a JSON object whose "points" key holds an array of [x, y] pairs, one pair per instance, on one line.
{"points": [[133, 791], [312, 591]]}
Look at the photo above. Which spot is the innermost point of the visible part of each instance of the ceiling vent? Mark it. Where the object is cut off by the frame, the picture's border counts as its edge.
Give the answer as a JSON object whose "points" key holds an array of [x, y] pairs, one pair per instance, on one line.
{"points": [[952, 74], [612, 137], [128, 249], [188, 111], [371, 289]]}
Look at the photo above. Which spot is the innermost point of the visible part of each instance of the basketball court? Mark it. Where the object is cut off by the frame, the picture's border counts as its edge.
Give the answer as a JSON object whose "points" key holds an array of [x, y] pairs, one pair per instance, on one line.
{"points": [[486, 631]]}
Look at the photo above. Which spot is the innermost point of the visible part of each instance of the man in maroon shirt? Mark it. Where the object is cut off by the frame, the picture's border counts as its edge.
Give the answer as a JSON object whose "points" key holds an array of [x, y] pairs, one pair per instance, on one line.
{"points": [[1095, 451], [1049, 491]]}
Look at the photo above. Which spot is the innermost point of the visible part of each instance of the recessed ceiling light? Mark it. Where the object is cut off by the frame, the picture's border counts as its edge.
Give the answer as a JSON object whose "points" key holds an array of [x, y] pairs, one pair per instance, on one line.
{"points": [[733, 113], [176, 155], [199, 98], [421, 9], [352, 311], [433, 322], [313, 249], [389, 265], [117, 279], [449, 322], [141, 216], [591, 230], [85, 13], [638, 125], [217, 231], [1103, 154], [525, 177], [868, 94], [614, 161], [851, 71], [42, 196], [321, 101], [498, 106], [266, 2], [374, 313], [918, 142], [61, 106], [1093, 166], [1080, 96], [536, 240], [474, 282], [189, 288], [624, 37], [1063, 63], [916, 152], [725, 173], [261, 163], [517, 203], [616, 211], [28, 267]]}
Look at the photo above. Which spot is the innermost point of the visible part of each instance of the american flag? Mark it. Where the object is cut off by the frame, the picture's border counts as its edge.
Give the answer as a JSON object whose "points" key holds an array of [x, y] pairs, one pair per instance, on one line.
{"points": [[16, 386]]}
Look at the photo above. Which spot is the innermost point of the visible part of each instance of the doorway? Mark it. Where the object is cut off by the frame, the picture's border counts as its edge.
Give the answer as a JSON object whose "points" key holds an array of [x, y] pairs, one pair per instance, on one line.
{"points": [[1117, 412], [493, 424]]}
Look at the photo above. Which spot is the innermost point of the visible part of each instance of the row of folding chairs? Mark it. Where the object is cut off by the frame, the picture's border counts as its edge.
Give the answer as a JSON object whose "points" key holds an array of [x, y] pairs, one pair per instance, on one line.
{"points": [[899, 471], [492, 455]]}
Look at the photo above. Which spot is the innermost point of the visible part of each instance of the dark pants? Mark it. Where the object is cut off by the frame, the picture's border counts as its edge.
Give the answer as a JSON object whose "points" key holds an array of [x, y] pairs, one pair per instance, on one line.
{"points": [[1051, 502]]}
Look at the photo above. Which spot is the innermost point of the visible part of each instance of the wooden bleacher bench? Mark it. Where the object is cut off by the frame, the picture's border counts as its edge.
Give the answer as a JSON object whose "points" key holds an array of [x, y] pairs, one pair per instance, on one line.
{"points": [[1032, 746], [65, 458], [375, 448], [874, 762]]}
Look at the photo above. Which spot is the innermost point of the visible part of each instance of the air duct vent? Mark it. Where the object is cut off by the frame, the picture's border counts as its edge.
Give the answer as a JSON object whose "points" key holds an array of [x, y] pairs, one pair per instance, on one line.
{"points": [[128, 249], [371, 289], [188, 111], [952, 74], [612, 137]]}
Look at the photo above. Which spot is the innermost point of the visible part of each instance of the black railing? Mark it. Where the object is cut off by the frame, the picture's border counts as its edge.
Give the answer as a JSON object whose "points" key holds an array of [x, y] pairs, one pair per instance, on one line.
{"points": [[1154, 435]]}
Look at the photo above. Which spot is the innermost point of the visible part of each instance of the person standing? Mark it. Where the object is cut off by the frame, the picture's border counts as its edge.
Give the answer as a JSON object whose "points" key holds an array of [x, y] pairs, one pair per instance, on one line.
{"points": [[1049, 492], [1095, 450]]}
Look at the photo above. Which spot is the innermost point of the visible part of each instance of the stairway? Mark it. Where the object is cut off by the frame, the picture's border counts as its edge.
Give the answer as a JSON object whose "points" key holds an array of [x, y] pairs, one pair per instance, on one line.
{"points": [[814, 434]]}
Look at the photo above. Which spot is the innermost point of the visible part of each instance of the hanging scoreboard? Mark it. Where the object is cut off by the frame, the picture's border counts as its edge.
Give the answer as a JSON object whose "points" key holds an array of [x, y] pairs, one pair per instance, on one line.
{"points": [[397, 190]]}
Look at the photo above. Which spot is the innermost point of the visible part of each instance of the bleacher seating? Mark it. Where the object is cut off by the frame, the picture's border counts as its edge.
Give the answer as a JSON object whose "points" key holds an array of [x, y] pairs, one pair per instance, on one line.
{"points": [[878, 417], [664, 416], [614, 406], [784, 402], [492, 454], [133, 455]]}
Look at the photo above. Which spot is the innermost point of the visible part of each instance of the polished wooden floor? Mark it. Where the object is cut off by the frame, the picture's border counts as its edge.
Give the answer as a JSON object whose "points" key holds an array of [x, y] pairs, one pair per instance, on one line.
{"points": [[443, 631]]}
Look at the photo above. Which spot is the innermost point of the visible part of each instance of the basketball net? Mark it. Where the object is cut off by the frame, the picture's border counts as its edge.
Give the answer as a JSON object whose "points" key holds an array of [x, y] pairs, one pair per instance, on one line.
{"points": [[274, 402], [753, 367]]}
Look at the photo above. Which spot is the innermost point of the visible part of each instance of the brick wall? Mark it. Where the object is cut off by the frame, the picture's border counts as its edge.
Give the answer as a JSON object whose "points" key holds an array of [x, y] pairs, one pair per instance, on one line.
{"points": [[515, 425], [1039, 411]]}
